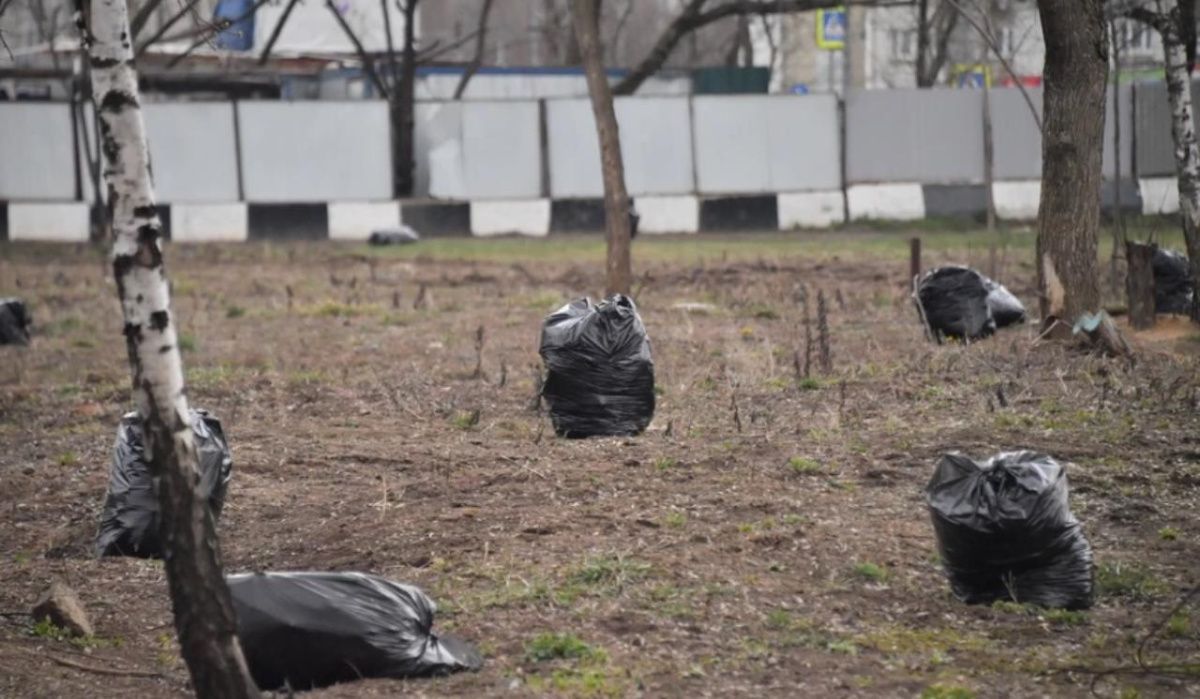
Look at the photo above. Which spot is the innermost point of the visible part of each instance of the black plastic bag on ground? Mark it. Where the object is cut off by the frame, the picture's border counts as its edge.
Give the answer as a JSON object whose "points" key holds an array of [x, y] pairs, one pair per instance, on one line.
{"points": [[1005, 531], [1006, 308], [404, 235], [954, 302], [309, 630], [14, 322], [599, 375], [1172, 282], [129, 523]]}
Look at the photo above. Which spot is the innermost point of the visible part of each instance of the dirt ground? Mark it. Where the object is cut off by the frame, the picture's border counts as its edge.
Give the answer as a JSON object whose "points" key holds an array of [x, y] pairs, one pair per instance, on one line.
{"points": [[787, 552]]}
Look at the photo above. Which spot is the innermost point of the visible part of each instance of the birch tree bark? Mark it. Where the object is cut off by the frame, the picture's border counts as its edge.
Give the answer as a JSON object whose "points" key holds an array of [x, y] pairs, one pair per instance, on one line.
{"points": [[1075, 77], [204, 616], [1183, 132], [618, 273]]}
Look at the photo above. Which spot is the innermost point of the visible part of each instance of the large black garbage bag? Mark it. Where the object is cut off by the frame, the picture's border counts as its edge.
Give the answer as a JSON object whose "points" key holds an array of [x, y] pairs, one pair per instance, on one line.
{"points": [[1005, 531], [14, 322], [1006, 308], [129, 523], [954, 301], [308, 630], [600, 378], [1172, 282]]}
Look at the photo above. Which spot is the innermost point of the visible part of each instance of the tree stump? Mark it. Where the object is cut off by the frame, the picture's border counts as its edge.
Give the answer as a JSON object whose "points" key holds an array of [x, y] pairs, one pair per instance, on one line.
{"points": [[1139, 283]]}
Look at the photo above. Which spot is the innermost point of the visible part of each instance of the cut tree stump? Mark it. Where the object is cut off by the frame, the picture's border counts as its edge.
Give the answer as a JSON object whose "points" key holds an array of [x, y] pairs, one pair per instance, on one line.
{"points": [[1139, 283]]}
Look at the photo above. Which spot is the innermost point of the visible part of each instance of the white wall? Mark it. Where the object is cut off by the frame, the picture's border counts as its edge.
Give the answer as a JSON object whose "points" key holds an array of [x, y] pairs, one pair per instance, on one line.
{"points": [[315, 151], [656, 146], [766, 144], [192, 151], [37, 158]]}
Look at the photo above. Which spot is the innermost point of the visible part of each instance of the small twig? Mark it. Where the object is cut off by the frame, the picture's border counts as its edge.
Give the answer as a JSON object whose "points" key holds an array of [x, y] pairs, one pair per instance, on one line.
{"points": [[823, 333], [112, 672]]}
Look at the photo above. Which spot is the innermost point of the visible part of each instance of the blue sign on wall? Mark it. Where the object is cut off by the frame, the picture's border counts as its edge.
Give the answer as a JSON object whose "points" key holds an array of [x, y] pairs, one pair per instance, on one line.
{"points": [[238, 36], [831, 28]]}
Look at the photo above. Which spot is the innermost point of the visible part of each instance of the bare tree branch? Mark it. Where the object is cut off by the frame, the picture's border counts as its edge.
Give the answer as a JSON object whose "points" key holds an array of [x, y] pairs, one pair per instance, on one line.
{"points": [[693, 17], [275, 32], [994, 46], [435, 51], [208, 32], [165, 27], [367, 61], [480, 45], [143, 15], [391, 46]]}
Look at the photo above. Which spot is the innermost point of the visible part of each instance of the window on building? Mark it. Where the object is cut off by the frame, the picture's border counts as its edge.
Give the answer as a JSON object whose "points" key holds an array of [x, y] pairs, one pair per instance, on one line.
{"points": [[1136, 38], [904, 44]]}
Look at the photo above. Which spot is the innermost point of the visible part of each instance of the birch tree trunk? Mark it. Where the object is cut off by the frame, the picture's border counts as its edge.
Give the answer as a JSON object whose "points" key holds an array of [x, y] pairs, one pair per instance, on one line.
{"points": [[1183, 132], [616, 200], [204, 616], [1075, 75]]}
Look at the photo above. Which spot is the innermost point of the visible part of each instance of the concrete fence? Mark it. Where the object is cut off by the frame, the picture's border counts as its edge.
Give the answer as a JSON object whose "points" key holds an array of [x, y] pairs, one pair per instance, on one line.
{"points": [[232, 171]]}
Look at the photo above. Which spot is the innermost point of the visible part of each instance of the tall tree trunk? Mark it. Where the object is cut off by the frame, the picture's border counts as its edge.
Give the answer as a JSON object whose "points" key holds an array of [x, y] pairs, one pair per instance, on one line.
{"points": [[204, 616], [402, 107], [1118, 214], [616, 200], [1075, 75], [922, 42], [1183, 131]]}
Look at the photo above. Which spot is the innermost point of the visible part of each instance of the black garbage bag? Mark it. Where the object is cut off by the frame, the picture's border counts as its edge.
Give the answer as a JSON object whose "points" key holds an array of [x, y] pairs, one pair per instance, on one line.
{"points": [[1006, 308], [1005, 531], [14, 322], [1172, 282], [404, 235], [954, 301], [599, 375], [309, 630], [129, 523]]}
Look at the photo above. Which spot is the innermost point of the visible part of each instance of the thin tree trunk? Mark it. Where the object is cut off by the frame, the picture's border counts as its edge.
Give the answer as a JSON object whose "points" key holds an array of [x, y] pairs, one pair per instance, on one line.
{"points": [[616, 201], [1183, 131], [204, 616], [1118, 212], [1075, 75], [480, 45], [402, 107], [922, 42], [989, 160]]}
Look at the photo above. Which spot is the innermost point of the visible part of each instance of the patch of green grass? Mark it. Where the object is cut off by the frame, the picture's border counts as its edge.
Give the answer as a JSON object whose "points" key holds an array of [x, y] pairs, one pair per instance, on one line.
{"points": [[1179, 625], [554, 646], [50, 631], [306, 377], [664, 463], [82, 343], [337, 309], [762, 312], [1168, 533], [1068, 617], [809, 383], [68, 458], [465, 419], [779, 619], [1054, 616], [871, 572], [845, 647], [947, 691], [68, 390], [578, 682], [804, 465], [1128, 580], [608, 572], [186, 342], [675, 519], [234, 312]]}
